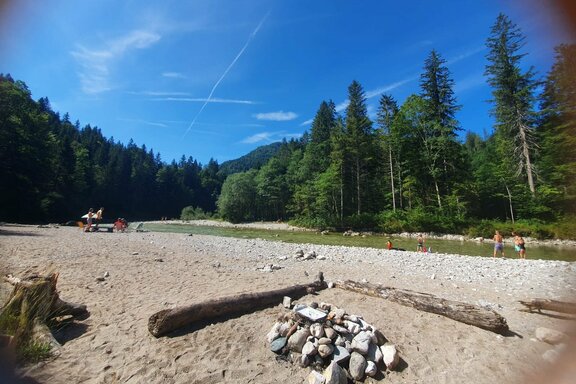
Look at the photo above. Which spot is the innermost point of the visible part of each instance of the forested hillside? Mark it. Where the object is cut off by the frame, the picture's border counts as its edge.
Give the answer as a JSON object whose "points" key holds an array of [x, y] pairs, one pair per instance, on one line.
{"points": [[53, 170], [409, 169]]}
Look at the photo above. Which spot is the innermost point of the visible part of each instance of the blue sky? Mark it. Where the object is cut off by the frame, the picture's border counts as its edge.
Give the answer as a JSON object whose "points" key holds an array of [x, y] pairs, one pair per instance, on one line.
{"points": [[218, 78]]}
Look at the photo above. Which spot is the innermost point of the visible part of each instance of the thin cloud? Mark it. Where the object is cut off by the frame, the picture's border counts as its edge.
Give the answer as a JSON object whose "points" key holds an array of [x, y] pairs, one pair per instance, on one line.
{"points": [[250, 38], [307, 122], [174, 75], [269, 137], [258, 138], [205, 100], [276, 116], [470, 82], [145, 122], [465, 55], [95, 63]]}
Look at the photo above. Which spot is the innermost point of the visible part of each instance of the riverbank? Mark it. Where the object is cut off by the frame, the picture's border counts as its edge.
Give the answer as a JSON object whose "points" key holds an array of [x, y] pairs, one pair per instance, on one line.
{"points": [[279, 226], [150, 271]]}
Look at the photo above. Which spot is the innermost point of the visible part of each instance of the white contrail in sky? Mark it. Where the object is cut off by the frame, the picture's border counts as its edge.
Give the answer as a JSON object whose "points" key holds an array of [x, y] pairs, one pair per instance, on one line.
{"points": [[252, 35]]}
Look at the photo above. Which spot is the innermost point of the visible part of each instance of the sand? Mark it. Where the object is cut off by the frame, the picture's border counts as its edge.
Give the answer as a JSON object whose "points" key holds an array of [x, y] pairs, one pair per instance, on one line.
{"points": [[113, 345]]}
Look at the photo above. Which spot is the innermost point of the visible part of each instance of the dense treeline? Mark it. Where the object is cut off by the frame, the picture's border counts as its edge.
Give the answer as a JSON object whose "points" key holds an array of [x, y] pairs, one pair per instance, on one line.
{"points": [[53, 170], [408, 170]]}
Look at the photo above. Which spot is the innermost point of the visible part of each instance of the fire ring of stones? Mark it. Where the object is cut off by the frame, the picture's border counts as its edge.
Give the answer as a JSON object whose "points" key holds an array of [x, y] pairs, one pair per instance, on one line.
{"points": [[336, 344]]}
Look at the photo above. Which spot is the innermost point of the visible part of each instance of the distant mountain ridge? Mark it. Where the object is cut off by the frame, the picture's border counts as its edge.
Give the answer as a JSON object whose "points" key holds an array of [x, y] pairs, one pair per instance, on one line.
{"points": [[254, 159]]}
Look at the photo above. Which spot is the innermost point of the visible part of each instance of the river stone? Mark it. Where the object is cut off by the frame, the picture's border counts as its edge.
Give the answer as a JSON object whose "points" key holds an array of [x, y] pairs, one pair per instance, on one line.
{"points": [[374, 353], [361, 342], [309, 348], [339, 313], [325, 350], [357, 366], [297, 340], [330, 332], [341, 355], [304, 361], [335, 374], [324, 340], [277, 345], [352, 327], [317, 330], [274, 332], [340, 329], [315, 378], [284, 328], [371, 369], [390, 356], [340, 341], [287, 302]]}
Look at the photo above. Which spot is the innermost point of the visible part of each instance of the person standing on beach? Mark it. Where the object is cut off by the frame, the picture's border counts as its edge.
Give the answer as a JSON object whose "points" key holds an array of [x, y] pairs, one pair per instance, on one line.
{"points": [[420, 246], [90, 216], [99, 216], [519, 245], [498, 243]]}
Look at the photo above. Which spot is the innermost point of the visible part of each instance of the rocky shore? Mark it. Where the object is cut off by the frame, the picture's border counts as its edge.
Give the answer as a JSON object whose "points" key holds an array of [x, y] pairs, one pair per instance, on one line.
{"points": [[123, 278]]}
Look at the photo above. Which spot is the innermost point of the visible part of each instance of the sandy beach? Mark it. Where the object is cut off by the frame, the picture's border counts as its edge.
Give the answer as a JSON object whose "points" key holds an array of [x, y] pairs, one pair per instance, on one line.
{"points": [[149, 272]]}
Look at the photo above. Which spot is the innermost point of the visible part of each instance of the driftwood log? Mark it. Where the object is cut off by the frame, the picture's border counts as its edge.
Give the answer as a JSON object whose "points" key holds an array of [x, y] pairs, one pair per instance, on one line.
{"points": [[168, 320], [549, 305], [33, 302], [466, 313]]}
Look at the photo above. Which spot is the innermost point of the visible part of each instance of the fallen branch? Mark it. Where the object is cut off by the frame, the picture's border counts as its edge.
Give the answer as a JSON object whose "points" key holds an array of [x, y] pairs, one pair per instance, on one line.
{"points": [[549, 305], [465, 313], [168, 320]]}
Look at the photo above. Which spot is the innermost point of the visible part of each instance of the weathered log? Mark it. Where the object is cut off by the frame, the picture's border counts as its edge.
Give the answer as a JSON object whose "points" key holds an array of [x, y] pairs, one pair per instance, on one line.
{"points": [[168, 320], [466, 313], [549, 305]]}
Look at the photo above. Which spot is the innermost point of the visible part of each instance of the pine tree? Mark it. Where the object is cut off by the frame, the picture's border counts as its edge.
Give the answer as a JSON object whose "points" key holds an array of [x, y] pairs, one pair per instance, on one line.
{"points": [[513, 98], [441, 125], [360, 148], [386, 112]]}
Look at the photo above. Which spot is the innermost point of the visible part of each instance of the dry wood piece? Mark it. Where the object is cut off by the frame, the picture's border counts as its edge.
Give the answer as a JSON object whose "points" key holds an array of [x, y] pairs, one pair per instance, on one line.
{"points": [[32, 303], [455, 310], [549, 305], [168, 320]]}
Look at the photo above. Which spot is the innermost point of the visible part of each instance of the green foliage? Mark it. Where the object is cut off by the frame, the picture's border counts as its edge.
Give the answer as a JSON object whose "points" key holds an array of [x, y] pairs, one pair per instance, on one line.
{"points": [[253, 159], [33, 352], [194, 213]]}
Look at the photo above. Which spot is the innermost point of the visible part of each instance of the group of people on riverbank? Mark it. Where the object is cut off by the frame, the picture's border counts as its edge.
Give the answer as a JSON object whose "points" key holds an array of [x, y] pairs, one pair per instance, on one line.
{"points": [[519, 244], [91, 217]]}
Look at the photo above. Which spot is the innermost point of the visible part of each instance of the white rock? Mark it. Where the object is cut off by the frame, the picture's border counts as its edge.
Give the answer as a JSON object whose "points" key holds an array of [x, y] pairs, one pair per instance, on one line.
{"points": [[390, 356], [325, 350], [317, 330], [330, 333], [298, 339], [361, 342], [309, 349], [374, 353], [357, 366], [287, 302], [335, 374], [315, 378], [274, 332], [371, 369]]}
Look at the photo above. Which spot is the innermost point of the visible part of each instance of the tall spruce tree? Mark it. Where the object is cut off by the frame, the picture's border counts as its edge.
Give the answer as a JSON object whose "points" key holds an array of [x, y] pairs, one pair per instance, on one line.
{"points": [[557, 130], [513, 98], [440, 108], [386, 112], [360, 147]]}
